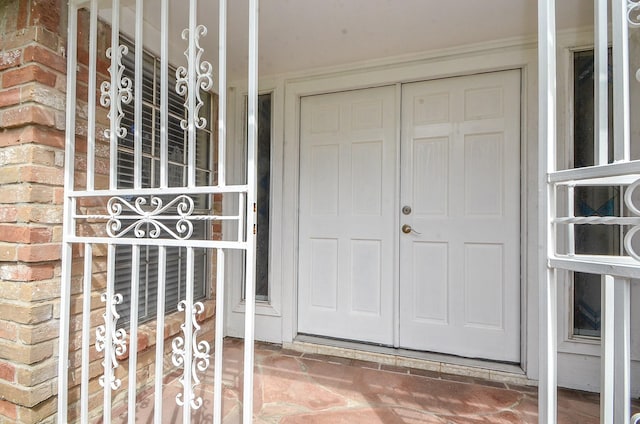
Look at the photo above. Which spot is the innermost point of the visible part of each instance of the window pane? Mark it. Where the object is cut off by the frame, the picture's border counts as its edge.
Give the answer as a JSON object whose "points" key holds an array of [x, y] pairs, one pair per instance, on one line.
{"points": [[125, 169], [147, 79], [263, 196], [264, 191], [177, 145], [127, 123], [176, 175], [147, 129], [146, 172], [203, 146], [205, 111], [176, 102], [586, 305], [590, 201]]}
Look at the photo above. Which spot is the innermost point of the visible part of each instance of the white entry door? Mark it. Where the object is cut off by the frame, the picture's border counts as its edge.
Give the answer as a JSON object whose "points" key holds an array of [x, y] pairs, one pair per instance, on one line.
{"points": [[347, 208], [457, 271], [460, 262]]}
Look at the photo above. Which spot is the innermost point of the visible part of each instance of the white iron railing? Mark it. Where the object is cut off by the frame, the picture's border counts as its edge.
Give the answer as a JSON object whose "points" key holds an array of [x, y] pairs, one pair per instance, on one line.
{"points": [[144, 217], [558, 189]]}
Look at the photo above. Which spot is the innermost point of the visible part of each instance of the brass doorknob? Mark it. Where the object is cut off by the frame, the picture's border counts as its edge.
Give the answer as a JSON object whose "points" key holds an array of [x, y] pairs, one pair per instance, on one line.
{"points": [[406, 228]]}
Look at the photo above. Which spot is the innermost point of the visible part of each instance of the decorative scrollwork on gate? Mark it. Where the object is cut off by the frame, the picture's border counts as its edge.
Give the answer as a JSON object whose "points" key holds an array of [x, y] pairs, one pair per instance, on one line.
{"points": [[204, 80], [631, 234], [123, 92], [200, 362], [633, 12], [118, 342], [147, 220], [633, 17]]}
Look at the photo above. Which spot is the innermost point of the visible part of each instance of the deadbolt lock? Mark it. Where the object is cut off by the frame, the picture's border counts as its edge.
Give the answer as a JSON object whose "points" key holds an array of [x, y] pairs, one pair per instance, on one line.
{"points": [[406, 210]]}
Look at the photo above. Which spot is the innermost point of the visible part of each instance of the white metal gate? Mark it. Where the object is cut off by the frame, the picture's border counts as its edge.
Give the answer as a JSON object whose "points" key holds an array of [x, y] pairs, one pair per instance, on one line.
{"points": [[99, 218], [558, 216]]}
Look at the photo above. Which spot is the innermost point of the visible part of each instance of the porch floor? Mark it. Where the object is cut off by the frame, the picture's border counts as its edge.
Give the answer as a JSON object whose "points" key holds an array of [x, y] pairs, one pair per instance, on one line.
{"points": [[292, 388]]}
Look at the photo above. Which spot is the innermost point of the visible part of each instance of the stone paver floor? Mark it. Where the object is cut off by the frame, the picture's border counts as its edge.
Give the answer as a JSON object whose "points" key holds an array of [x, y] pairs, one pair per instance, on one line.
{"points": [[296, 388]]}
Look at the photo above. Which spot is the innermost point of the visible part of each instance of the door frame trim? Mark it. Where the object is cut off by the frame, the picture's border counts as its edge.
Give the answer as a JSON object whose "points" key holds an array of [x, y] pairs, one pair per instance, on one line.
{"points": [[519, 57]]}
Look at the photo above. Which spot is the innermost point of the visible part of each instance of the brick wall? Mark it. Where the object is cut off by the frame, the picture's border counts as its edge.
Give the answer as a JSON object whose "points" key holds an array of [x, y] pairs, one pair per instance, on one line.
{"points": [[32, 137], [32, 81]]}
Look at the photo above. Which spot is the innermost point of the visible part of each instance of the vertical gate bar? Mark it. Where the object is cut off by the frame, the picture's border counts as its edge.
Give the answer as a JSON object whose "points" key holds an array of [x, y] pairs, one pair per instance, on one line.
{"points": [[250, 293], [108, 343], [607, 349], [133, 331], [191, 95], [621, 152], [68, 208], [222, 93], [159, 369], [91, 106], [547, 393], [601, 84], [113, 184], [86, 332], [137, 98], [137, 184], [188, 340], [164, 93], [219, 338], [571, 212], [620, 42], [622, 354], [114, 96]]}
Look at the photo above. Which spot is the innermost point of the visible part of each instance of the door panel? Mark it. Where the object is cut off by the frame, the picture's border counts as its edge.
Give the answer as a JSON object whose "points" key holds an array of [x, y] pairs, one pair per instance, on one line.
{"points": [[346, 233], [460, 174]]}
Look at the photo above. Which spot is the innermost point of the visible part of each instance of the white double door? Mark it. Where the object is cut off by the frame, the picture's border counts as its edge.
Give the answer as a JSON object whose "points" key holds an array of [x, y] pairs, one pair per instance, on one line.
{"points": [[413, 240]]}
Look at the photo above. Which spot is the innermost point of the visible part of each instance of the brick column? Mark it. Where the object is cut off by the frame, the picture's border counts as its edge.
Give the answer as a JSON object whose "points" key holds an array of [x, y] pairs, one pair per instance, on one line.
{"points": [[32, 101]]}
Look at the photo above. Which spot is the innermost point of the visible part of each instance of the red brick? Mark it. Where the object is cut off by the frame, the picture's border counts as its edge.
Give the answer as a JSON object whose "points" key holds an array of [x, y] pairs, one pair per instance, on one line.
{"points": [[17, 39], [23, 15], [8, 252], [10, 137], [46, 13], [22, 234], [49, 39], [8, 213], [43, 214], [27, 115], [82, 92], [58, 195], [8, 409], [26, 193], [10, 59], [39, 135], [8, 330], [7, 371], [39, 253], [9, 97], [46, 57], [41, 174], [26, 74], [217, 227], [26, 272]]}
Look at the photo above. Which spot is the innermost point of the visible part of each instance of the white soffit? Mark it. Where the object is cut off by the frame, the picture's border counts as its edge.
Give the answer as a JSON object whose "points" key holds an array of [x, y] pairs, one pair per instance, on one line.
{"points": [[299, 35]]}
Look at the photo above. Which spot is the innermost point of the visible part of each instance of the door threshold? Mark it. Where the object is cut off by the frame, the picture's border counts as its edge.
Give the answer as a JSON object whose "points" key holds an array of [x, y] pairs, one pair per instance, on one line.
{"points": [[446, 364]]}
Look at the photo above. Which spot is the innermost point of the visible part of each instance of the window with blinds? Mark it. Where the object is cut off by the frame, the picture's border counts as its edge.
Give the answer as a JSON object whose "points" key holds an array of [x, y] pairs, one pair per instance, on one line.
{"points": [[177, 174]]}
